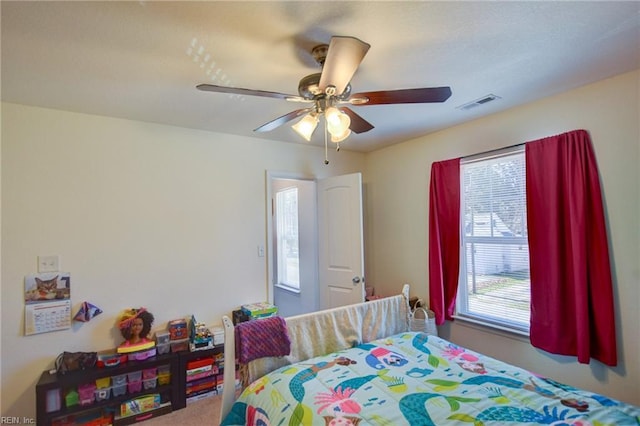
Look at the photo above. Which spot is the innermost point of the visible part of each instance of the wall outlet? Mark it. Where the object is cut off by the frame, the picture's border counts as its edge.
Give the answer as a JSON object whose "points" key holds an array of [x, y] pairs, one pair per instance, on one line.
{"points": [[49, 263]]}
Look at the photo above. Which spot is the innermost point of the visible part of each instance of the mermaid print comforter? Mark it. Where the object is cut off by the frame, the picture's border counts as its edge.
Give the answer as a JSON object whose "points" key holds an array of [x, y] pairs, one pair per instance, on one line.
{"points": [[417, 379]]}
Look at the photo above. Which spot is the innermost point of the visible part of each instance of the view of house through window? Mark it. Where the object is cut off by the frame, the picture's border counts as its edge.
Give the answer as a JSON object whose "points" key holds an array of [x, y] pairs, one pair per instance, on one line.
{"points": [[494, 269], [288, 259]]}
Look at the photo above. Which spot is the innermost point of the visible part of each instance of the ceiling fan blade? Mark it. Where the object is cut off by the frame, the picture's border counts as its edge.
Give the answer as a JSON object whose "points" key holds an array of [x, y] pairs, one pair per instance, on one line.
{"points": [[358, 124], [404, 96], [248, 92], [342, 61], [273, 124]]}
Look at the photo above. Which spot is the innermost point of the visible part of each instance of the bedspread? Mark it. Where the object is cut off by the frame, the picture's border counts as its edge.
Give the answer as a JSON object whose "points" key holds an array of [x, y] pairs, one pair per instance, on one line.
{"points": [[416, 379]]}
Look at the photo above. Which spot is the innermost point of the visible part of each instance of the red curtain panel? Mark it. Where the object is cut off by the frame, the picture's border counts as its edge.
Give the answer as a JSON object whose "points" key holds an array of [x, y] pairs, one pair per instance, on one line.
{"points": [[572, 309], [444, 238]]}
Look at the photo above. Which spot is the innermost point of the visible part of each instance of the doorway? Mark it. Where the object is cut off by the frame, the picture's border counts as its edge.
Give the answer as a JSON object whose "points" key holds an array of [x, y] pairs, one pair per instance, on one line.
{"points": [[315, 256], [293, 244]]}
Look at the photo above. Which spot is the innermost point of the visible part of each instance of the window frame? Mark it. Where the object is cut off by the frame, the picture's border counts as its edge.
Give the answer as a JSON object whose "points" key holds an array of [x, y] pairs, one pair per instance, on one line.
{"points": [[462, 297]]}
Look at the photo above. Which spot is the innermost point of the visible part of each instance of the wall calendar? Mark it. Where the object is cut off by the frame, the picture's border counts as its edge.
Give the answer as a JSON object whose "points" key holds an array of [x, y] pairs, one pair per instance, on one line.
{"points": [[47, 302], [47, 316]]}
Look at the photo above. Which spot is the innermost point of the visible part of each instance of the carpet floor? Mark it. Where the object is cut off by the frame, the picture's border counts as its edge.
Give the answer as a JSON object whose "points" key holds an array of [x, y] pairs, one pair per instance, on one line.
{"points": [[198, 413]]}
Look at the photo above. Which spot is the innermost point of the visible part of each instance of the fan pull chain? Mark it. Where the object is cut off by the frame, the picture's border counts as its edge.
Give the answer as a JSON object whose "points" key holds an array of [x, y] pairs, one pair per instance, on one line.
{"points": [[326, 149]]}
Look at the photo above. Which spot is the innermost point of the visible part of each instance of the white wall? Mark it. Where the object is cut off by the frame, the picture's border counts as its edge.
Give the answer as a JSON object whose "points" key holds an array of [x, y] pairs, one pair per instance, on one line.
{"points": [[397, 183], [170, 218], [141, 215]]}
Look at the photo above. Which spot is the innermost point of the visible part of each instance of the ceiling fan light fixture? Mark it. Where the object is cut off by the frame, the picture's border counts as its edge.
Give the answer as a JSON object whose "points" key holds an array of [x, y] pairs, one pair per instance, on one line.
{"points": [[339, 138], [306, 126], [332, 115], [337, 122]]}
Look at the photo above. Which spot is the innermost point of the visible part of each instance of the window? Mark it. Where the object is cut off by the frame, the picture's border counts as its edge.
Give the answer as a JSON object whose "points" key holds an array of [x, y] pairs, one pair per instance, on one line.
{"points": [[287, 239], [494, 269]]}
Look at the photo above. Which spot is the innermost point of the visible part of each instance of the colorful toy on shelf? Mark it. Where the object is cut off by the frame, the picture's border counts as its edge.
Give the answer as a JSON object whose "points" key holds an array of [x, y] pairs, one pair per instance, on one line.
{"points": [[110, 360], [140, 405], [135, 325], [163, 343], [259, 310], [178, 335], [200, 337], [178, 329]]}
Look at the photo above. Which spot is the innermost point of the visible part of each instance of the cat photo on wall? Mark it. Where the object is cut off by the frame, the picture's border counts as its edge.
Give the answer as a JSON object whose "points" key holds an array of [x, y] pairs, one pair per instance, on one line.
{"points": [[47, 286]]}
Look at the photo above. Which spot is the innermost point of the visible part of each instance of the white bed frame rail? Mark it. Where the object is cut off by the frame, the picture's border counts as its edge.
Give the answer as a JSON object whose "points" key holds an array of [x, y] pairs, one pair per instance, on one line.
{"points": [[229, 386]]}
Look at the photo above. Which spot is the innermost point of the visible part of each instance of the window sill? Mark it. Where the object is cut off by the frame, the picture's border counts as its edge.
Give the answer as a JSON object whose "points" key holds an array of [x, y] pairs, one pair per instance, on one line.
{"points": [[288, 289], [492, 328]]}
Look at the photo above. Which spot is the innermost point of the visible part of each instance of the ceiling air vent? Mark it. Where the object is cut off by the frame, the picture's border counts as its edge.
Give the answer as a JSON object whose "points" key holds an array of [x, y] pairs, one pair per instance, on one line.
{"points": [[478, 102]]}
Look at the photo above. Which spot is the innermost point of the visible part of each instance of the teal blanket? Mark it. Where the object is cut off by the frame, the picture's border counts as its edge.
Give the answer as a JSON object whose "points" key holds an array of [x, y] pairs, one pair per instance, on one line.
{"points": [[416, 379]]}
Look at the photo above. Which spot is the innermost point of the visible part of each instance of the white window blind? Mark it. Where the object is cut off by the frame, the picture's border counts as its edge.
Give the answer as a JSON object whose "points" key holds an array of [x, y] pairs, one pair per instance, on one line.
{"points": [[494, 269]]}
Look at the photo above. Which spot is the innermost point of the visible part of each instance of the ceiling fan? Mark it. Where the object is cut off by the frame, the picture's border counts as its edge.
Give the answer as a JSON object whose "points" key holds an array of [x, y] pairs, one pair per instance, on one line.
{"points": [[329, 93]]}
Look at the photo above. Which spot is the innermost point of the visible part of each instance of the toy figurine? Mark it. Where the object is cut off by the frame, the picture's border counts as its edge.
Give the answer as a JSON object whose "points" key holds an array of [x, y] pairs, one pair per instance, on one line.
{"points": [[199, 335], [135, 325]]}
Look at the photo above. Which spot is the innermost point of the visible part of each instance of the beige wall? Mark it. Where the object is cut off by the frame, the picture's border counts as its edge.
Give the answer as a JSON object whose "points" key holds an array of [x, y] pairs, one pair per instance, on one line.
{"points": [[397, 183], [140, 215]]}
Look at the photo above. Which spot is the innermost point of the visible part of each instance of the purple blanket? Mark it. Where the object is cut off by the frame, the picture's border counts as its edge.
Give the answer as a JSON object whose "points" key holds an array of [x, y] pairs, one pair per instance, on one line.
{"points": [[262, 338]]}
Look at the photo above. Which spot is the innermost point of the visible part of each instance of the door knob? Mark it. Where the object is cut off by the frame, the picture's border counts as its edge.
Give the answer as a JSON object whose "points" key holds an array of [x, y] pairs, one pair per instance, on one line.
{"points": [[355, 280]]}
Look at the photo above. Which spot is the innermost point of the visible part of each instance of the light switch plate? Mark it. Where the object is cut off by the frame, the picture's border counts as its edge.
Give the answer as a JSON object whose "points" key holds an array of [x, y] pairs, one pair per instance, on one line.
{"points": [[49, 263]]}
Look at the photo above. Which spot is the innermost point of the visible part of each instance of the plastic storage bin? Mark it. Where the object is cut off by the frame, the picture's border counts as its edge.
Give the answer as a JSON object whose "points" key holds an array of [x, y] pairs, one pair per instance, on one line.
{"points": [[164, 379], [103, 383], [102, 394], [163, 348], [149, 373], [142, 355], [134, 387], [164, 375], [162, 337], [119, 380], [86, 393], [149, 383], [54, 400], [119, 390], [71, 398], [135, 376]]}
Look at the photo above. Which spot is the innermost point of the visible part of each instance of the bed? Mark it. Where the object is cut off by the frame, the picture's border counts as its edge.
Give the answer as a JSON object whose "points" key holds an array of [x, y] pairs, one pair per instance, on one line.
{"points": [[405, 378]]}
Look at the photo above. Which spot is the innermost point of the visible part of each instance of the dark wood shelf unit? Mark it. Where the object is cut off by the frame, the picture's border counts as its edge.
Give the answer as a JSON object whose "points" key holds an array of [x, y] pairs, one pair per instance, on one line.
{"points": [[54, 381], [174, 392], [185, 358]]}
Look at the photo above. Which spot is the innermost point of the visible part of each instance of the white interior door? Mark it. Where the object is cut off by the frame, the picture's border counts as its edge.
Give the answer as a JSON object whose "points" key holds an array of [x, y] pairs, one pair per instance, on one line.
{"points": [[341, 248]]}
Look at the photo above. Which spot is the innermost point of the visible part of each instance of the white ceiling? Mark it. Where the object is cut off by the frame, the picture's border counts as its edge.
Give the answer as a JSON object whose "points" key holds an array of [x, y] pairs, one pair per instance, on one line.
{"points": [[142, 60]]}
